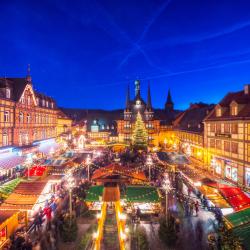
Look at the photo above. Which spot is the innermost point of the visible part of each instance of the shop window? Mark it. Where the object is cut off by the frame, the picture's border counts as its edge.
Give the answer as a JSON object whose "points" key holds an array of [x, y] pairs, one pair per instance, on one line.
{"points": [[5, 140], [231, 172], [227, 146], [248, 177], [234, 147], [6, 116]]}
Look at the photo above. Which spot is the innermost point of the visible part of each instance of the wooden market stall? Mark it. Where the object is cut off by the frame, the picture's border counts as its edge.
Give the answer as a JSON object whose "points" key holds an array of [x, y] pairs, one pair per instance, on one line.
{"points": [[10, 221]]}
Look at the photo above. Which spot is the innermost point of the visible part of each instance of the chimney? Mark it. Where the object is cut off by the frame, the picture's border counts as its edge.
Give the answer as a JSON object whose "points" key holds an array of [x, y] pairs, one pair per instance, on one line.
{"points": [[247, 89]]}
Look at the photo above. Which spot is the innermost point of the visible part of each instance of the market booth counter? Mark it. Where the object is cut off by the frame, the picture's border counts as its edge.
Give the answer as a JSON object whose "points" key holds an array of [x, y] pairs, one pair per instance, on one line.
{"points": [[146, 198], [10, 221]]}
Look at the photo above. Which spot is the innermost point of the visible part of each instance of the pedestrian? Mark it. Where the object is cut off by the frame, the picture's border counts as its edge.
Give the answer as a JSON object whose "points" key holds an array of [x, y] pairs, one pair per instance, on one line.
{"points": [[196, 205], [191, 208], [177, 225]]}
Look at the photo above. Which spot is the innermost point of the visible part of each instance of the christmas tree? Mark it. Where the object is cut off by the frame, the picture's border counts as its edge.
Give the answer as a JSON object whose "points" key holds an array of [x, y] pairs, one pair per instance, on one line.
{"points": [[140, 136]]}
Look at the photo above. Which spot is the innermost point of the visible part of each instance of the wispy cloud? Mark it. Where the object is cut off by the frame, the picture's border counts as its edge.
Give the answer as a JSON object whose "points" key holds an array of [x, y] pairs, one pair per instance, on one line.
{"points": [[157, 76], [137, 48]]}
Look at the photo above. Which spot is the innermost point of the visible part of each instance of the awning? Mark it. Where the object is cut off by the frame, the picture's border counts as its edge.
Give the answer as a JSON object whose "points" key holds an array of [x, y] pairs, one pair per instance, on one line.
{"points": [[237, 219], [94, 193], [243, 233], [141, 194], [11, 160]]}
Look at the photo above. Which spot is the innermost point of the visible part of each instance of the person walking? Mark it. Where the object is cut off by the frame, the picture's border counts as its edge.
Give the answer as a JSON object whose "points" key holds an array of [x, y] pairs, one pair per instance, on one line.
{"points": [[196, 205]]}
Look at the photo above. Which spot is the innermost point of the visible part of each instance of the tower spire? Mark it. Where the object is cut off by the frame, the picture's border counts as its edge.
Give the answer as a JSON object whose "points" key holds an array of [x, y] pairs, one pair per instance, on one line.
{"points": [[28, 77], [128, 98], [149, 103], [169, 105], [137, 88]]}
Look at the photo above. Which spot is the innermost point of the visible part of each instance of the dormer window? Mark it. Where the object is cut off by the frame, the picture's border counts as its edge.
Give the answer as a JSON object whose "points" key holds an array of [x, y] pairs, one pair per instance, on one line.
{"points": [[52, 105], [234, 110], [8, 93], [47, 104], [43, 102], [218, 112]]}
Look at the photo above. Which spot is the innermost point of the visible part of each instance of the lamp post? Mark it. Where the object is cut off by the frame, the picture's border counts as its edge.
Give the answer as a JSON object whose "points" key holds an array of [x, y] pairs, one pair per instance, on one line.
{"points": [[88, 161], [149, 162], [70, 185], [167, 187]]}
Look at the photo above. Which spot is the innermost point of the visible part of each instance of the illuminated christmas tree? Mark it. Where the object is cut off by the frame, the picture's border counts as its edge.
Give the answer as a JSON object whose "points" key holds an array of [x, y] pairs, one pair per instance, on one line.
{"points": [[140, 135]]}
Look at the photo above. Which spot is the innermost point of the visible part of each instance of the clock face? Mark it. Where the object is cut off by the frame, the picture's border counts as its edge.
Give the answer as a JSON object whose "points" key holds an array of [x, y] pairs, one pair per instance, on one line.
{"points": [[138, 102]]}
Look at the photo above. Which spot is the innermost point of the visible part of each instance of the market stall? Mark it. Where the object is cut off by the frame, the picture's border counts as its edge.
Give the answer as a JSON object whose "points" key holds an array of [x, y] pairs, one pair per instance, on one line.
{"points": [[10, 221], [29, 196], [145, 198], [94, 197], [36, 171], [239, 223]]}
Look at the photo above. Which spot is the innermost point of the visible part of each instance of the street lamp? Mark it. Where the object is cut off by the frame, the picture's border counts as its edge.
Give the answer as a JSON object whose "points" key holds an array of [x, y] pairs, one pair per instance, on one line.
{"points": [[167, 187], [149, 163], [70, 185], [88, 161]]}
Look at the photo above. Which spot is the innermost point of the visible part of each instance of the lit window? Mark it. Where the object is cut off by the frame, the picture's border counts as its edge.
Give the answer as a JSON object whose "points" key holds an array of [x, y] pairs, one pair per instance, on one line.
{"points": [[43, 102], [5, 140], [22, 99], [234, 110], [37, 100], [52, 105], [37, 119], [47, 104], [6, 116], [218, 112], [21, 117], [28, 118], [7, 93]]}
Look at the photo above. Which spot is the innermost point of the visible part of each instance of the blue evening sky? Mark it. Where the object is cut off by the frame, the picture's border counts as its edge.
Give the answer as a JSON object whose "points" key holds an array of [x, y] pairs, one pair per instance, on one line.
{"points": [[84, 53]]}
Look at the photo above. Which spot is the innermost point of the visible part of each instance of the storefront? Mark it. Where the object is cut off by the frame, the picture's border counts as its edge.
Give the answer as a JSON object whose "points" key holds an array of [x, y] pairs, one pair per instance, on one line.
{"points": [[217, 165], [247, 173], [231, 171]]}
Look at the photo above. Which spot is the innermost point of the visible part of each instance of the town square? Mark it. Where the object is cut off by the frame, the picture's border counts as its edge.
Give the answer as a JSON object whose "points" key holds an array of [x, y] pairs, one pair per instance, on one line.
{"points": [[124, 125]]}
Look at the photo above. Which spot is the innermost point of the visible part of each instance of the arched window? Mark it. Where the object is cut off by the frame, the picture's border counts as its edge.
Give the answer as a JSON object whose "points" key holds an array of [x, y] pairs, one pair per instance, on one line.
{"points": [[28, 118], [21, 117]]}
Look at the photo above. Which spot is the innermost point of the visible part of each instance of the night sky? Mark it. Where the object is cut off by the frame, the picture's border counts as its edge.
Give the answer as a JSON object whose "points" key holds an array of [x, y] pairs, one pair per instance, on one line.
{"points": [[84, 53]]}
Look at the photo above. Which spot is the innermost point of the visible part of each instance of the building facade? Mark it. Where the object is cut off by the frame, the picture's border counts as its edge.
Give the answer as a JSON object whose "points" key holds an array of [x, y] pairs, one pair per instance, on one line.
{"points": [[26, 115], [188, 130], [227, 137], [126, 125]]}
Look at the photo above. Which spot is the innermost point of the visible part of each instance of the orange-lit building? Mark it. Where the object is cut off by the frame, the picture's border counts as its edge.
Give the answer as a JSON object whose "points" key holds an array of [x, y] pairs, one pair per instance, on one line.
{"points": [[26, 115], [227, 137], [150, 117]]}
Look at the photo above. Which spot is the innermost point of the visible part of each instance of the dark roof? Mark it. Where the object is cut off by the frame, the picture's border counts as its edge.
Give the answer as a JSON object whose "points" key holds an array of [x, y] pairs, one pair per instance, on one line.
{"points": [[240, 98], [166, 117], [17, 85], [192, 118], [109, 116]]}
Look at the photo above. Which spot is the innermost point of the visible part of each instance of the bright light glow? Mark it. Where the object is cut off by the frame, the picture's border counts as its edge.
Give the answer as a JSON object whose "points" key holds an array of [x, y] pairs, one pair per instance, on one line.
{"points": [[126, 230], [197, 184], [95, 235], [122, 216], [123, 235], [149, 160], [99, 215]]}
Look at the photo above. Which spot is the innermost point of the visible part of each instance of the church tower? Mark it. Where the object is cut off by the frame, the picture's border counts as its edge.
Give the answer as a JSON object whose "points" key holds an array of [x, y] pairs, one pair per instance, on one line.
{"points": [[169, 105]]}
